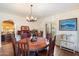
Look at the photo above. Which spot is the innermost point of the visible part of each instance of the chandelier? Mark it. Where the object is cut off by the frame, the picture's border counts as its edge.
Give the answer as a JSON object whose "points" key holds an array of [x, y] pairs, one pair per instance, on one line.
{"points": [[31, 18]]}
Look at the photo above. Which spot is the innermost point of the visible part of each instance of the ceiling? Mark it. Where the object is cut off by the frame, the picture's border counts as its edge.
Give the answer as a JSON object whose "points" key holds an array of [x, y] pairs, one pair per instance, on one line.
{"points": [[40, 10]]}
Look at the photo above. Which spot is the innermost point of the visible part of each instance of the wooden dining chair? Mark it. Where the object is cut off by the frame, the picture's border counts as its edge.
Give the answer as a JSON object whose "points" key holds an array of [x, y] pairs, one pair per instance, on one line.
{"points": [[24, 35], [23, 49], [19, 48], [14, 45], [51, 46], [48, 49]]}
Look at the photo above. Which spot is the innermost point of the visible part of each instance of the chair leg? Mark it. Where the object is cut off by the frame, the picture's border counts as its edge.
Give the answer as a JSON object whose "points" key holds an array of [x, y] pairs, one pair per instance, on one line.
{"points": [[19, 52], [28, 53]]}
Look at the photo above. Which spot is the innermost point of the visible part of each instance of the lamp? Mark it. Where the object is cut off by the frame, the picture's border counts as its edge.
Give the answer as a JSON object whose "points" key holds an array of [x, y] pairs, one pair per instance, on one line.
{"points": [[31, 18]]}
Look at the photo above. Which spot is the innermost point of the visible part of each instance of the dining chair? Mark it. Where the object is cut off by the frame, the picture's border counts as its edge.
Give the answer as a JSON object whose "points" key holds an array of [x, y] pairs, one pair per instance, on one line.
{"points": [[24, 35], [14, 45], [51, 45], [23, 49], [49, 48]]}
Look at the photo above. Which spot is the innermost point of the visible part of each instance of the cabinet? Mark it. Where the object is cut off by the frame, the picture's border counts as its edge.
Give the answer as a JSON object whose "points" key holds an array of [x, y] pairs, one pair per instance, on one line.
{"points": [[68, 42]]}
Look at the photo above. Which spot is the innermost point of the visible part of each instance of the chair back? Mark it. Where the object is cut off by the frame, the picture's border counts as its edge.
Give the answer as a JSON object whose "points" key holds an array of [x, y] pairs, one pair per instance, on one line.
{"points": [[20, 48], [51, 46], [24, 35], [14, 45], [23, 48]]}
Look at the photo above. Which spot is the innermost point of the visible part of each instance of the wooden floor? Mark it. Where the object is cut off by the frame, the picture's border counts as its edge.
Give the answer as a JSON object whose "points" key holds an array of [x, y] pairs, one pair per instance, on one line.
{"points": [[6, 50]]}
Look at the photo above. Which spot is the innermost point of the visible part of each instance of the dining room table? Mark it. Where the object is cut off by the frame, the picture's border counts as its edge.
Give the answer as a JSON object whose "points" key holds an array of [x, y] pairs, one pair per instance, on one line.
{"points": [[37, 45]]}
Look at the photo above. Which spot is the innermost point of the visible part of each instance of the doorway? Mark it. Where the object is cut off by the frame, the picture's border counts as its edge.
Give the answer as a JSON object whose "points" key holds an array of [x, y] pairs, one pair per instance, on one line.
{"points": [[8, 31]]}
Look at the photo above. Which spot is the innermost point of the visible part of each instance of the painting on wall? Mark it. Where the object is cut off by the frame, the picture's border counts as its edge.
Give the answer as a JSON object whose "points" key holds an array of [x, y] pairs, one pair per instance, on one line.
{"points": [[68, 24], [24, 27]]}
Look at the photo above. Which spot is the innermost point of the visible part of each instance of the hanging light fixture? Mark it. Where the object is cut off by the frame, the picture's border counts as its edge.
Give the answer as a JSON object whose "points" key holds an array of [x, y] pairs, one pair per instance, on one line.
{"points": [[31, 18]]}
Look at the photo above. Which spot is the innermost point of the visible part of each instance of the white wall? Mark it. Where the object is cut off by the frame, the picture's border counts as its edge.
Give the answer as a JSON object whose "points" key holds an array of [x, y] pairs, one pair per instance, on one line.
{"points": [[44, 21], [61, 16]]}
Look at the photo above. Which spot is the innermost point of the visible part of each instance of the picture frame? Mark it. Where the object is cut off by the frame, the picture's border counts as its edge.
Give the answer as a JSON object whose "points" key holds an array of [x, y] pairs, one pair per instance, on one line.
{"points": [[68, 24], [24, 27]]}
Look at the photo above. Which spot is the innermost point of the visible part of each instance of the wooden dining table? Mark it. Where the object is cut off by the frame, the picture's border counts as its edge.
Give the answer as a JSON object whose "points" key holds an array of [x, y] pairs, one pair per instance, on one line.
{"points": [[39, 44]]}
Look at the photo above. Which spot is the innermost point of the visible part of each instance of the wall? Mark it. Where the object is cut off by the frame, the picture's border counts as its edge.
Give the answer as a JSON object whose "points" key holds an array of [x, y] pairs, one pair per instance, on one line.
{"points": [[44, 21], [61, 16]]}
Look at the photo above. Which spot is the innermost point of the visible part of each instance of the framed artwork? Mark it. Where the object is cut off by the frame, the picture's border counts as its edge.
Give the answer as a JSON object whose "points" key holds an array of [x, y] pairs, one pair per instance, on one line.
{"points": [[68, 24], [24, 28]]}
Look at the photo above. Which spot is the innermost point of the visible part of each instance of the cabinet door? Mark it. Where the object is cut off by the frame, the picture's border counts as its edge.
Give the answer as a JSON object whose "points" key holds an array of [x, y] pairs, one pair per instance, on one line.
{"points": [[64, 44], [72, 39]]}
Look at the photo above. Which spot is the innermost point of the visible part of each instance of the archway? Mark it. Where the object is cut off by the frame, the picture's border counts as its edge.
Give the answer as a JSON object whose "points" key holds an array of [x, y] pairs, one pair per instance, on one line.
{"points": [[8, 30]]}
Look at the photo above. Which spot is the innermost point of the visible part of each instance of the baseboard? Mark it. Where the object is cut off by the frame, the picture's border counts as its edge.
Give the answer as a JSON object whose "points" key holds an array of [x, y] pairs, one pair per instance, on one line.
{"points": [[67, 49]]}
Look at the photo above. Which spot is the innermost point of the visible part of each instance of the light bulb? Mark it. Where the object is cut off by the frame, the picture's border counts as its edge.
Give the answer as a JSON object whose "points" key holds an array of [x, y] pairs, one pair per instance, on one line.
{"points": [[32, 18], [35, 19], [27, 18]]}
